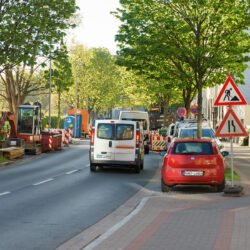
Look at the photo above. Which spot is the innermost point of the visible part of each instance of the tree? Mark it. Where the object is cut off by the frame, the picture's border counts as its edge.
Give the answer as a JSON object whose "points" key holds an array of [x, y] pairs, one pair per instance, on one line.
{"points": [[31, 28], [196, 43], [18, 83], [96, 78]]}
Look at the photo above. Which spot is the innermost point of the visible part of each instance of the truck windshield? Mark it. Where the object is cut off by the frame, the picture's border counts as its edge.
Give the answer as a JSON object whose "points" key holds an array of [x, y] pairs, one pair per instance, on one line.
{"points": [[25, 120]]}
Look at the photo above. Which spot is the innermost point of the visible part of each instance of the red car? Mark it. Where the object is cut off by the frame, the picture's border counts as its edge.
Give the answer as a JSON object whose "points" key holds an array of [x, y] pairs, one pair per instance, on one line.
{"points": [[193, 161]]}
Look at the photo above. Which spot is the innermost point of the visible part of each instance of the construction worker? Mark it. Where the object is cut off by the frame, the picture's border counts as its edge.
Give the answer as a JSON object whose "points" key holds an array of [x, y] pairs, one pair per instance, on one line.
{"points": [[5, 130]]}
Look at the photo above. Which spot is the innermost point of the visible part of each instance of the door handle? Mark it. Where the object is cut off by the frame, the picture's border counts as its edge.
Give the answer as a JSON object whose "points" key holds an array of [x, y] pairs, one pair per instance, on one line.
{"points": [[110, 144]]}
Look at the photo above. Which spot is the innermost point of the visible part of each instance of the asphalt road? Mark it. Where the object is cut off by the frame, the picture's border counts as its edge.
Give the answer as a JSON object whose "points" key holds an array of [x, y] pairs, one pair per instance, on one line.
{"points": [[49, 199]]}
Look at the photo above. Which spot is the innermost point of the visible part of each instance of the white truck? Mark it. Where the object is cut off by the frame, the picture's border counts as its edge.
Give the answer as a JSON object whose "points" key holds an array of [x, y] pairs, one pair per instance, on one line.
{"points": [[139, 116]]}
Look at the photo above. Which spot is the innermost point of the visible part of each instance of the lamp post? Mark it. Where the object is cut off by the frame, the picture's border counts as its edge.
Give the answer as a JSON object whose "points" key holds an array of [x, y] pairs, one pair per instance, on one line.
{"points": [[50, 77], [76, 97]]}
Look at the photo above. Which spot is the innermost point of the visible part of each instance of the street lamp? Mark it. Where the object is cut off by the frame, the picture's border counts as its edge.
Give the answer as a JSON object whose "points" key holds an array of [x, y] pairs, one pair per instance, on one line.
{"points": [[50, 77]]}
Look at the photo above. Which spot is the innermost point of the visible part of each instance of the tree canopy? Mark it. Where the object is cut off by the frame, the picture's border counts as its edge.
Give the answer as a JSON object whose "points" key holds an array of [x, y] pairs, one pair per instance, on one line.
{"points": [[191, 44], [31, 28]]}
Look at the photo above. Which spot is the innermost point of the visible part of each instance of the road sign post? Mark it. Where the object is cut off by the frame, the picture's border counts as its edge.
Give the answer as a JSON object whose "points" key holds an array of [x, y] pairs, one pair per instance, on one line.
{"points": [[231, 126]]}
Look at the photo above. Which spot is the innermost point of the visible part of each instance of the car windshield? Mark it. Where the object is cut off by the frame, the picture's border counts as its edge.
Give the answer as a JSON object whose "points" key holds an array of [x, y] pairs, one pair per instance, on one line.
{"points": [[194, 148], [193, 133]]}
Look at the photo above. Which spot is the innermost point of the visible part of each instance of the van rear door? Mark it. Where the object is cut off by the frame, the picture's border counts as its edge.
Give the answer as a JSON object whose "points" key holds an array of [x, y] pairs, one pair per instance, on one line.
{"points": [[104, 137], [125, 141]]}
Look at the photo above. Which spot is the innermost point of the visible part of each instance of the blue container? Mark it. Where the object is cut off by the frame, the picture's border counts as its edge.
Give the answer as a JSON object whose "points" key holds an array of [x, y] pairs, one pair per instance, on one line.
{"points": [[69, 122]]}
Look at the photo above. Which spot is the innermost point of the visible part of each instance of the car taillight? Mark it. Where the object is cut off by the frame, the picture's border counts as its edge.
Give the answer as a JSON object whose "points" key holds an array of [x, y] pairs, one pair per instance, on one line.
{"points": [[137, 138], [169, 139], [92, 137]]}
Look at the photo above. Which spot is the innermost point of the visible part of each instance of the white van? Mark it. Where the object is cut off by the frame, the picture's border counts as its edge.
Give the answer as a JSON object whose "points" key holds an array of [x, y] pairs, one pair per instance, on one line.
{"points": [[139, 116], [117, 143]]}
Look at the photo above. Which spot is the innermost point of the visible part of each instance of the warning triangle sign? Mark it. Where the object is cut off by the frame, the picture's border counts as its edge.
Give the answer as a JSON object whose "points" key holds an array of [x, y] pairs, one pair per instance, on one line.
{"points": [[230, 94], [230, 126]]}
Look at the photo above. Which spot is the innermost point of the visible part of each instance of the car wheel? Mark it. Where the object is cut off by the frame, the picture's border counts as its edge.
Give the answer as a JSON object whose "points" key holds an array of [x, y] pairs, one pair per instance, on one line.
{"points": [[220, 187], [92, 167], [164, 187], [146, 149]]}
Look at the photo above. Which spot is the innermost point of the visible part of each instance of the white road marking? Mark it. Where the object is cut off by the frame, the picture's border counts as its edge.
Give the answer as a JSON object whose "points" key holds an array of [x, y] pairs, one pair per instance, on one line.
{"points": [[42, 182], [87, 166], [4, 193], [73, 171], [117, 226]]}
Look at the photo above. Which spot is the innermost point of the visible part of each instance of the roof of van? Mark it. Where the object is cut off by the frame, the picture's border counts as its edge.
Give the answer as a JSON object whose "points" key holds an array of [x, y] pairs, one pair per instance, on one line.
{"points": [[133, 111]]}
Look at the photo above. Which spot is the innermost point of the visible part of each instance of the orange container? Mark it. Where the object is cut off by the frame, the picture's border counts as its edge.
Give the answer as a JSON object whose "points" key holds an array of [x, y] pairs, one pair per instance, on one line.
{"points": [[85, 118]]}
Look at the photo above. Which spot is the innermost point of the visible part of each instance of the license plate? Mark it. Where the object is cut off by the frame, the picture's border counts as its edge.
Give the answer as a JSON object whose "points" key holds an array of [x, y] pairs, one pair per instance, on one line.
{"points": [[192, 173], [103, 156]]}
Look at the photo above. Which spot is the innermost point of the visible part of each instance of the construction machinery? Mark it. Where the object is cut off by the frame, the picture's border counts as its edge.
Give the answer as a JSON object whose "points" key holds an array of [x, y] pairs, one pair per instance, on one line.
{"points": [[26, 130], [29, 127]]}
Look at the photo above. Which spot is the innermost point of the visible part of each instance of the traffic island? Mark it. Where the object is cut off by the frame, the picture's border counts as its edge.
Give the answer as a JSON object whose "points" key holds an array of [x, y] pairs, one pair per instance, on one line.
{"points": [[233, 191]]}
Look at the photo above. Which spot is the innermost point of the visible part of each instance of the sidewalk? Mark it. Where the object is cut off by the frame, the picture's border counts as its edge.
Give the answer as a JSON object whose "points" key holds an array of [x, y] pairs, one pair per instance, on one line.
{"points": [[181, 219]]}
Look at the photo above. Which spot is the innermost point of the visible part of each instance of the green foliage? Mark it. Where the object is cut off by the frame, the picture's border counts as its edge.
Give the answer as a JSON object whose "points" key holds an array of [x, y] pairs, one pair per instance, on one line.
{"points": [[228, 175], [54, 122], [30, 28], [185, 44], [97, 86]]}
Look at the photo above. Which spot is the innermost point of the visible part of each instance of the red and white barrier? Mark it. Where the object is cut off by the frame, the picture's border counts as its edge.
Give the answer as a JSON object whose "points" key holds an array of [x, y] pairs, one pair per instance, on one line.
{"points": [[50, 142], [158, 143], [70, 134], [66, 137]]}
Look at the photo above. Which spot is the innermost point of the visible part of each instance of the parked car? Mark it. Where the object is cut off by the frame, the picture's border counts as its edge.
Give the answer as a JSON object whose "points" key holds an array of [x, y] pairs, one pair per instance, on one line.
{"points": [[193, 162], [117, 143], [206, 132], [174, 128]]}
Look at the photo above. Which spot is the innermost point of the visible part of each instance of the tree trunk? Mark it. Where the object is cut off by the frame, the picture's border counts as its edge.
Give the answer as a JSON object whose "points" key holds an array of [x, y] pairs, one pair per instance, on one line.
{"points": [[199, 132], [58, 110]]}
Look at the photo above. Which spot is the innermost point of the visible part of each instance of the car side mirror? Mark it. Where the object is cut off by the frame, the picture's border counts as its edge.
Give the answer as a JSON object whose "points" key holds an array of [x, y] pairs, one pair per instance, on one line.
{"points": [[225, 153]]}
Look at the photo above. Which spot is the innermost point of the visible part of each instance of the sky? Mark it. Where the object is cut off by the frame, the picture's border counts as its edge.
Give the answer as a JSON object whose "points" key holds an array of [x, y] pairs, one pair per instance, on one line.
{"points": [[98, 27]]}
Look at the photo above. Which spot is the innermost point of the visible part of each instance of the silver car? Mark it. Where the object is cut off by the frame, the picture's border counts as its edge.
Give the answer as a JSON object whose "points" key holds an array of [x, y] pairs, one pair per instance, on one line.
{"points": [[206, 132]]}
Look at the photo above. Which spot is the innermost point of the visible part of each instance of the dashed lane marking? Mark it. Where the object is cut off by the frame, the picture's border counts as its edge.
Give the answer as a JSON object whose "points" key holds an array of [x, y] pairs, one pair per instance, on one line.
{"points": [[73, 171], [42, 182], [4, 193]]}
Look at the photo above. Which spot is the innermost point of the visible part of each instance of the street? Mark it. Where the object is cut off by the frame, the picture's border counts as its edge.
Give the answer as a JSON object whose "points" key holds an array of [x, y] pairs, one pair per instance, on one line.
{"points": [[50, 199], [53, 201]]}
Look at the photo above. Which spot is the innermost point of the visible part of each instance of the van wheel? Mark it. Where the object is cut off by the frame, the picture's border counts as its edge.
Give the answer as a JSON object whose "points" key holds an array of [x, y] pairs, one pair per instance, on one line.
{"points": [[146, 149], [142, 165], [92, 167], [138, 168]]}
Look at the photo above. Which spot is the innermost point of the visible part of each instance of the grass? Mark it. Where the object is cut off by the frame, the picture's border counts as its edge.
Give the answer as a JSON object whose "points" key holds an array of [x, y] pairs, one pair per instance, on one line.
{"points": [[2, 159], [228, 176]]}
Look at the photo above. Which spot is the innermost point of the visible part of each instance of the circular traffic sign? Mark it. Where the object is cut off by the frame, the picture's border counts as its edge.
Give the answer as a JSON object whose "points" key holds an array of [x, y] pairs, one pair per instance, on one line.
{"points": [[194, 109], [181, 112]]}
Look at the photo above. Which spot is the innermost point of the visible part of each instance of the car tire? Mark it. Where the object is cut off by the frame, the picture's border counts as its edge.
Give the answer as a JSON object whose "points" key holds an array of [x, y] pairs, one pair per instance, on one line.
{"points": [[220, 187], [146, 149], [164, 188], [92, 167]]}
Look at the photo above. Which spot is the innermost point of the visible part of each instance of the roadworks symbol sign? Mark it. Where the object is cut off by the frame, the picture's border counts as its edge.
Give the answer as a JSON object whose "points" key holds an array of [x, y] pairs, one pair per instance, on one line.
{"points": [[230, 94], [230, 126]]}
